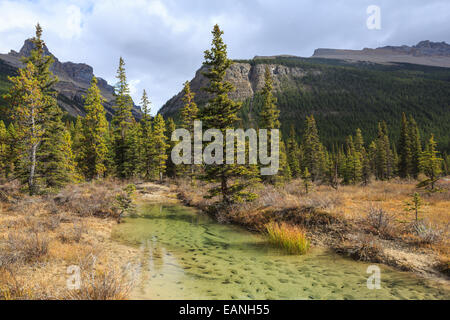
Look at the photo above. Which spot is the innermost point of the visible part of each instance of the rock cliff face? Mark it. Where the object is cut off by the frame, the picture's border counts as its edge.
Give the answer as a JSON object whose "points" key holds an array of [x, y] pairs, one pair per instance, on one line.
{"points": [[247, 79], [74, 80], [424, 53]]}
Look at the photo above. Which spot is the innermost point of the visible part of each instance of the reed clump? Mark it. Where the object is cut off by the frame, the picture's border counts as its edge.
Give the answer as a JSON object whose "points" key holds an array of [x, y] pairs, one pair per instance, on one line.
{"points": [[290, 238]]}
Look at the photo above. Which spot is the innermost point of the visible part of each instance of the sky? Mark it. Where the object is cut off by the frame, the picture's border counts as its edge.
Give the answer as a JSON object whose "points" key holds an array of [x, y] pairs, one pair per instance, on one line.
{"points": [[162, 41]]}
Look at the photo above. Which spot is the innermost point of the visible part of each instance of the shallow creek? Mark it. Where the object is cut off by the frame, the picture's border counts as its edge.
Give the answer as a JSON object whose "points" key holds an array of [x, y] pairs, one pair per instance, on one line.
{"points": [[185, 254]]}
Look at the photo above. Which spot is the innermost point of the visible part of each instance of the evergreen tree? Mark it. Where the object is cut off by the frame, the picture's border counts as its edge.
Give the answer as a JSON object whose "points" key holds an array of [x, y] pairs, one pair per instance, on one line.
{"points": [[95, 130], [293, 154], [189, 114], [190, 111], [58, 163], [53, 172], [313, 150], [430, 162], [133, 142], [160, 144], [147, 145], [384, 156], [122, 122], [27, 110], [405, 156], [172, 169], [269, 120], [221, 113], [415, 147]]}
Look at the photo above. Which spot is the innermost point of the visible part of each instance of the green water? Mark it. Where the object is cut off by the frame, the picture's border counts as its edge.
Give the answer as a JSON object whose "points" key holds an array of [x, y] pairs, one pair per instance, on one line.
{"points": [[186, 255]]}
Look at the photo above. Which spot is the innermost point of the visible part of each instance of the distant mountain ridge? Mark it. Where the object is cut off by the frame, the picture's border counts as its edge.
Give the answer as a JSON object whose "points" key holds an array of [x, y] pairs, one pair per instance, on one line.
{"points": [[74, 80], [424, 53]]}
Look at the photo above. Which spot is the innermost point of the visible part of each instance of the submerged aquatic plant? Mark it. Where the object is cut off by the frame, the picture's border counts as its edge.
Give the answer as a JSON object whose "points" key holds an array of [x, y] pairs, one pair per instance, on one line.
{"points": [[290, 238]]}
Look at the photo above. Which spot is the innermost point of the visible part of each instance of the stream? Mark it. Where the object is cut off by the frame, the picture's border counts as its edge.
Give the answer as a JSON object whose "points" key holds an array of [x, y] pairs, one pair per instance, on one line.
{"points": [[184, 254]]}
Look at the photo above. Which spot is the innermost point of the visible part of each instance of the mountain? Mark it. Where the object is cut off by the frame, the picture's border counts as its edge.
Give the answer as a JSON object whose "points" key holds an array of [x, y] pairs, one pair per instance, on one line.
{"points": [[425, 53], [74, 80], [342, 95]]}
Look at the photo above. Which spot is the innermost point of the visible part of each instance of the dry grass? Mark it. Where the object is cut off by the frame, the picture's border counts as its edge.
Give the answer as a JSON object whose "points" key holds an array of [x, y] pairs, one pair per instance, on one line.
{"points": [[102, 285], [289, 238], [41, 236]]}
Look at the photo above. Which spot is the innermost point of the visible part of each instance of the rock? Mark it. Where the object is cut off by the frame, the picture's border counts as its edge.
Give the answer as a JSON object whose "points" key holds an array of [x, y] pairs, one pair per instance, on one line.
{"points": [[247, 79]]}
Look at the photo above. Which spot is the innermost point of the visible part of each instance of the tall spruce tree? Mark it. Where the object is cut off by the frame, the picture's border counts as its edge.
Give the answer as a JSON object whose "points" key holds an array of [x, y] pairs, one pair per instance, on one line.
{"points": [[221, 113], [313, 150], [147, 145], [293, 154], [122, 122], [269, 120], [415, 147], [404, 149], [160, 144], [189, 114], [172, 170], [430, 162], [95, 130]]}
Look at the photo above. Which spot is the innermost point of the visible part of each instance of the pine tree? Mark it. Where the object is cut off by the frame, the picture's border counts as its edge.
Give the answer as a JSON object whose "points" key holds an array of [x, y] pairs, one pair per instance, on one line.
{"points": [[189, 114], [221, 113], [269, 120], [95, 130], [313, 150], [190, 111], [354, 166], [58, 163], [384, 157], [430, 163], [121, 122], [415, 147], [27, 110], [52, 172], [172, 169], [293, 154], [133, 142], [147, 145], [405, 156], [160, 144]]}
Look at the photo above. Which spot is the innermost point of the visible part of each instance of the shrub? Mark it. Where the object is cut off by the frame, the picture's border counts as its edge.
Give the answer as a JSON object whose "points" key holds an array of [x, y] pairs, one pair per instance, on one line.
{"points": [[426, 233], [365, 248], [27, 247], [380, 222], [290, 238]]}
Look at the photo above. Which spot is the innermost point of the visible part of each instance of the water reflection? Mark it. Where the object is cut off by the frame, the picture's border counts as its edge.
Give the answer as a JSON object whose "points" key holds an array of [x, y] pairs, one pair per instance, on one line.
{"points": [[186, 255]]}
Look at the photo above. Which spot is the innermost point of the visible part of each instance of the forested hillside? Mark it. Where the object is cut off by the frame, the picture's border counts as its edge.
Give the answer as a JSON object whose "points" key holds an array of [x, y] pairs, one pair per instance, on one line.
{"points": [[345, 96]]}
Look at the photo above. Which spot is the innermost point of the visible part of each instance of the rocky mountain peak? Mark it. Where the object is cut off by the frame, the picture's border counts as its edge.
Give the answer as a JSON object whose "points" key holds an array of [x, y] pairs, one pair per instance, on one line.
{"points": [[74, 80]]}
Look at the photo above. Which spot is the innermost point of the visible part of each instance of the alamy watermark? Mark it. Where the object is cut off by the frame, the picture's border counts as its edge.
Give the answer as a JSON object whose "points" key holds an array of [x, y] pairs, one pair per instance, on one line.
{"points": [[374, 281], [374, 20], [249, 147]]}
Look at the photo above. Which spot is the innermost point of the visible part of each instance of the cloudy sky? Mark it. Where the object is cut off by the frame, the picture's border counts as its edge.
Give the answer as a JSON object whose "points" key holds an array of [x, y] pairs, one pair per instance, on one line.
{"points": [[162, 41]]}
